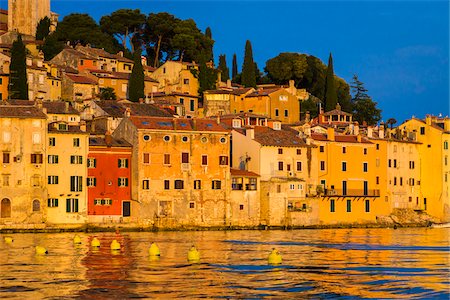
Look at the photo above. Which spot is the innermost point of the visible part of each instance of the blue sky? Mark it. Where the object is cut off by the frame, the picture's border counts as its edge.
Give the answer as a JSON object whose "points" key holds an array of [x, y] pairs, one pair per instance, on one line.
{"points": [[399, 49]]}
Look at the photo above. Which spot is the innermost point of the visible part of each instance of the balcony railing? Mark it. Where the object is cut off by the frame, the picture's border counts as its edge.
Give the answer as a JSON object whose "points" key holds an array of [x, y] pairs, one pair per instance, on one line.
{"points": [[352, 193]]}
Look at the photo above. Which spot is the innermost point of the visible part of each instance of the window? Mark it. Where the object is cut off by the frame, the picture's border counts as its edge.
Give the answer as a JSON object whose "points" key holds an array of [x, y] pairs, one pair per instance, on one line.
{"points": [[411, 181], [122, 181], [401, 180], [76, 159], [6, 157], [71, 205], [344, 150], [52, 179], [216, 185], [445, 145], [197, 184], [167, 159], [377, 162], [365, 167], [241, 206], [146, 158], [395, 163], [278, 188], [91, 163], [166, 138], [332, 206], [122, 162], [395, 180], [223, 160], [280, 166], [378, 146], [344, 188], [411, 164], [288, 167], [191, 204], [76, 142], [179, 184], [223, 140], [237, 183], [185, 81], [146, 184], [299, 166], [36, 138], [377, 180], [365, 151], [146, 137], [52, 141], [276, 112], [36, 205], [184, 157], [251, 185], [192, 105], [389, 163], [181, 100], [292, 186], [76, 183], [53, 159], [204, 160], [349, 205], [367, 205], [422, 130], [280, 150], [286, 113], [322, 165], [322, 148], [52, 202], [166, 184], [344, 166], [299, 151], [36, 158]]}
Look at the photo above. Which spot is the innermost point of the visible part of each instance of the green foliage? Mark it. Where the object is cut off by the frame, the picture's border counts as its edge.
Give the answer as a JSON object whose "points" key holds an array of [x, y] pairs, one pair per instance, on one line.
{"points": [[248, 78], [364, 109], [136, 82], [207, 77], [311, 106], [287, 66], [51, 47], [223, 67], [210, 53], [234, 70], [343, 94], [18, 85], [123, 24], [107, 93], [331, 98], [43, 29], [391, 122]]}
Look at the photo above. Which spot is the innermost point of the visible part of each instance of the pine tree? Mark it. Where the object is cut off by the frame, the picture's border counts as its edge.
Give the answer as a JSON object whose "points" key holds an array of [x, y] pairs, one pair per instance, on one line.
{"points": [[364, 108], [136, 80], [210, 50], [43, 29], [358, 89], [248, 78], [223, 68], [234, 71], [330, 87], [18, 85]]}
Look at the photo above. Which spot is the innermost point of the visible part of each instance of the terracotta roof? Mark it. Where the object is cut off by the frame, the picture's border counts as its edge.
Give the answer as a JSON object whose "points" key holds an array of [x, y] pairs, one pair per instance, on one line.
{"points": [[238, 91], [81, 79], [177, 124], [336, 112], [59, 107], [77, 53], [149, 68], [16, 111], [144, 109], [52, 127], [237, 172], [266, 136], [340, 138], [263, 92], [102, 53], [20, 102], [100, 141]]}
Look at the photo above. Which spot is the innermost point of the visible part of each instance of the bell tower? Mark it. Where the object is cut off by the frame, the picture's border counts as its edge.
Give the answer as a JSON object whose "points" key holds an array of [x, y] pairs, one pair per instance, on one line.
{"points": [[24, 15]]}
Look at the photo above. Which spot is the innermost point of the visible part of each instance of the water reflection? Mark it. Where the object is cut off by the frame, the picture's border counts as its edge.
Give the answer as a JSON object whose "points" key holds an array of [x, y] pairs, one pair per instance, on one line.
{"points": [[354, 263]]}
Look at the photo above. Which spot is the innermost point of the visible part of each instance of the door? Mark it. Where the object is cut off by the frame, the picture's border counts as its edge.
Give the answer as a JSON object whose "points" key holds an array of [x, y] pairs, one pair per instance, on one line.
{"points": [[126, 208], [5, 208]]}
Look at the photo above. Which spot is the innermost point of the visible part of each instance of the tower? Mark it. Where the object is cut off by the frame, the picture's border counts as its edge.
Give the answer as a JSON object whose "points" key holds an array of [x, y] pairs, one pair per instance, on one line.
{"points": [[24, 15]]}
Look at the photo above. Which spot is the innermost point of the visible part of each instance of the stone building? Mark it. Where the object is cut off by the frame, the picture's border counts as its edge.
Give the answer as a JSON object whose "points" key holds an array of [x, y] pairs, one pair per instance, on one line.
{"points": [[24, 15]]}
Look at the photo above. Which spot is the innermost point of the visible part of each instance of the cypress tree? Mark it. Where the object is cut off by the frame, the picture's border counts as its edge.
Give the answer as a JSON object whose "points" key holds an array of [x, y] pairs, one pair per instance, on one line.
{"points": [[18, 85], [210, 50], [248, 78], [331, 98], [43, 29], [234, 71], [223, 67], [136, 80]]}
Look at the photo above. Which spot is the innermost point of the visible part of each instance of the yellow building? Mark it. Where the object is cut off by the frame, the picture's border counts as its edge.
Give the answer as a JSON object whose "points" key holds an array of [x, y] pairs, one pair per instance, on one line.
{"points": [[60, 111], [245, 198], [23, 193], [77, 87], [180, 171], [218, 102], [177, 77], [183, 104], [67, 149], [53, 81], [4, 75], [434, 135]]}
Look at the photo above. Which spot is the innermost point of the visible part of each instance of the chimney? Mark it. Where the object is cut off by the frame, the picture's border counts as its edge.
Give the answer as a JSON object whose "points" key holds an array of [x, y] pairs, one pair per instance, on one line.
{"points": [[330, 133], [127, 112], [229, 83], [108, 138], [141, 100], [93, 126], [120, 53], [174, 124], [194, 123], [428, 120], [218, 119], [308, 116], [66, 108], [358, 138], [381, 131], [356, 128], [292, 87], [370, 132], [83, 126], [250, 132]]}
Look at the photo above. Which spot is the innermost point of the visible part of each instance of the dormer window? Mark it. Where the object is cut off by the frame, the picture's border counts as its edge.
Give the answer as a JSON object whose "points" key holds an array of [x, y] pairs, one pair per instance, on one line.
{"points": [[236, 123], [283, 98], [62, 127], [276, 125]]}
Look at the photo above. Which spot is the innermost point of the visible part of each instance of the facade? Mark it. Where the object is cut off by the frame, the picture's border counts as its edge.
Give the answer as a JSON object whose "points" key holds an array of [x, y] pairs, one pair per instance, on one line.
{"points": [[244, 198], [37, 78], [75, 59], [78, 87], [23, 192], [218, 102], [176, 77], [109, 180], [24, 15], [189, 104], [180, 170]]}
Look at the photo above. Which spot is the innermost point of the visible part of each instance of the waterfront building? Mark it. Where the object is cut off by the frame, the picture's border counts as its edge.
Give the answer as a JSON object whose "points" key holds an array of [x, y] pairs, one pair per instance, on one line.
{"points": [[245, 198], [109, 180], [66, 173], [434, 135], [23, 192], [180, 170]]}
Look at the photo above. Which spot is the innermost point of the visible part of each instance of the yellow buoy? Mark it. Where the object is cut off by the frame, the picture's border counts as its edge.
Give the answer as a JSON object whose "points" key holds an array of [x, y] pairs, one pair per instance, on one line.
{"points": [[95, 243], [8, 239], [115, 245], [193, 254], [274, 257], [77, 239], [153, 250], [41, 250]]}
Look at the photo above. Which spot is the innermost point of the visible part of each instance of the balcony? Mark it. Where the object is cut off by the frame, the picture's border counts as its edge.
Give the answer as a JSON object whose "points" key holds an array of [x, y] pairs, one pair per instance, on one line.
{"points": [[351, 193]]}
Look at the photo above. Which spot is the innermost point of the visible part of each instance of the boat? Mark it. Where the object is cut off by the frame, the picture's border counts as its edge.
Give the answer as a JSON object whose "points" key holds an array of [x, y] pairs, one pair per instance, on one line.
{"points": [[440, 225]]}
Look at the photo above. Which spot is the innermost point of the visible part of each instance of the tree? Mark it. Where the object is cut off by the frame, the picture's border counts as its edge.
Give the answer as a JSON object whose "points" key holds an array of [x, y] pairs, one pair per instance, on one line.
{"points": [[331, 98], [18, 85], [107, 93], [248, 78], [210, 52], [207, 77], [136, 80], [189, 41], [234, 71], [364, 109], [52, 46], [287, 66], [391, 122], [223, 67], [123, 24], [43, 29]]}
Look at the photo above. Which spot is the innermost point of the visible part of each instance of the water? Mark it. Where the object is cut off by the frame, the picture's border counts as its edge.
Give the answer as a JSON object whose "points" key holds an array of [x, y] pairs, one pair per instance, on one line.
{"points": [[317, 264]]}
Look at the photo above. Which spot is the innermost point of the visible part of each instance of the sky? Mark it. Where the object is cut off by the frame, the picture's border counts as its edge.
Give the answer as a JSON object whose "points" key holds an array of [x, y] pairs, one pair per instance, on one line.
{"points": [[399, 49]]}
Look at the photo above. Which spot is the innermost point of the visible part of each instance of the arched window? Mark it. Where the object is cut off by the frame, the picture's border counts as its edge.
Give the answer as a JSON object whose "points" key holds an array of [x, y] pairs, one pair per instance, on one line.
{"points": [[36, 205], [5, 208]]}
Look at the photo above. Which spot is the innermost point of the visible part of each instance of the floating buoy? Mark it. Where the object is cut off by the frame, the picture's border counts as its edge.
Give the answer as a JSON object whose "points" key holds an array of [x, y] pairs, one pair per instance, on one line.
{"points": [[193, 255], [274, 257], [41, 250], [95, 243], [77, 239], [153, 250], [115, 245], [8, 239]]}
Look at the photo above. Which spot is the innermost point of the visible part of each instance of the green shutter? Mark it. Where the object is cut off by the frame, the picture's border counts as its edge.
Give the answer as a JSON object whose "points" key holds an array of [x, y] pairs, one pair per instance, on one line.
{"points": [[126, 163], [56, 202], [118, 163], [48, 202], [126, 181], [67, 205]]}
